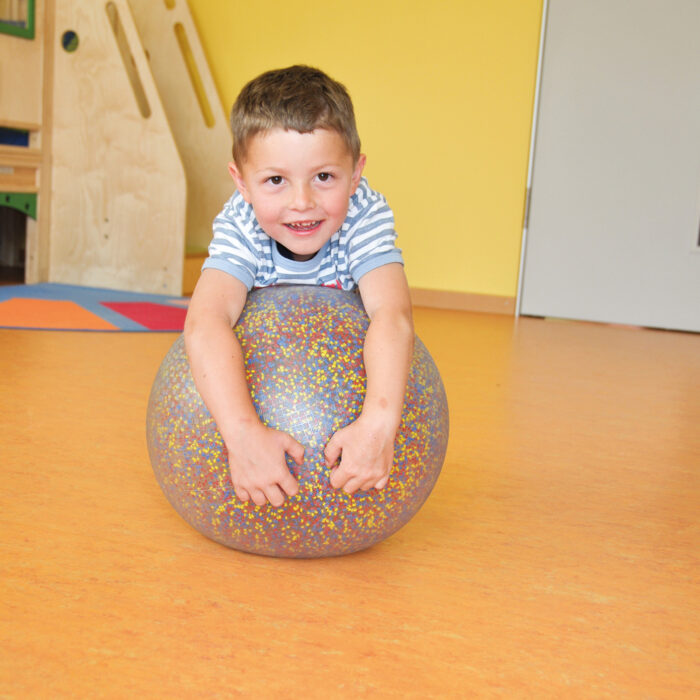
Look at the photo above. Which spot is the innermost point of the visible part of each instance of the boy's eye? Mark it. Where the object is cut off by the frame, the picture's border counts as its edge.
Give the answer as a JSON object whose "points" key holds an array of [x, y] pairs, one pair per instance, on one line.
{"points": [[275, 179], [324, 177]]}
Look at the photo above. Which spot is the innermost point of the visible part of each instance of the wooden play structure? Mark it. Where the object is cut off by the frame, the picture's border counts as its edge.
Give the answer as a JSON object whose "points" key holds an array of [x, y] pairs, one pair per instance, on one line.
{"points": [[118, 141]]}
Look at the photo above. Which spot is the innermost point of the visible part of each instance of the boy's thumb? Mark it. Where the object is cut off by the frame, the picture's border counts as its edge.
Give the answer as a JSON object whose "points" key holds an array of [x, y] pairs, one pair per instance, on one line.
{"points": [[295, 449], [332, 451]]}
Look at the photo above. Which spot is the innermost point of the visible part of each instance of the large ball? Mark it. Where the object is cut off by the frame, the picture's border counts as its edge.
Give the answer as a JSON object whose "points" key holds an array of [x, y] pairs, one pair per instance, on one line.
{"points": [[303, 361]]}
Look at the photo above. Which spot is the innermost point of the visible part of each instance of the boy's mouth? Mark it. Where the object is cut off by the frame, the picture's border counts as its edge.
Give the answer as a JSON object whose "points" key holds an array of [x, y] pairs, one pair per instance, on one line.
{"points": [[303, 226]]}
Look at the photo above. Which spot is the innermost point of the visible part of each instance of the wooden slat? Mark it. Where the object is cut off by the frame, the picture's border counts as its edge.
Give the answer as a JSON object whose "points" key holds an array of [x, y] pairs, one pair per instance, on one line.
{"points": [[19, 156], [205, 148], [38, 240], [18, 180], [19, 125], [21, 77]]}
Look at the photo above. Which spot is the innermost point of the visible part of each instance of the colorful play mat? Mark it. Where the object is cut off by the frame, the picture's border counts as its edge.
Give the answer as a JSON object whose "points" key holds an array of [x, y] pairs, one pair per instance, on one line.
{"points": [[65, 307]]}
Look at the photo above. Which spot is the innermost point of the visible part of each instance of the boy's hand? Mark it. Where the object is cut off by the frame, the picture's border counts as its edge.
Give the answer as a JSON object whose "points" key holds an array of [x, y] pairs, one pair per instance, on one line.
{"points": [[367, 445], [259, 471], [367, 450]]}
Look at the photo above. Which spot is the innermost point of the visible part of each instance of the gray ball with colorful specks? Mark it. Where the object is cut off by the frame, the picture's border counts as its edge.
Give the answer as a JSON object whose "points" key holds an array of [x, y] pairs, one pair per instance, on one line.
{"points": [[303, 359]]}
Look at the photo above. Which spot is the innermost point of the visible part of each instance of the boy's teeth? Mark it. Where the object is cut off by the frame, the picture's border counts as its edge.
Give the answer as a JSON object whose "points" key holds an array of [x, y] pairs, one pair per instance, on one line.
{"points": [[303, 225]]}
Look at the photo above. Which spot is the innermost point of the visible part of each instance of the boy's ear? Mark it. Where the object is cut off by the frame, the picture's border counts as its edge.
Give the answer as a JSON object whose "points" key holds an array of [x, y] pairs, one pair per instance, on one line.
{"points": [[357, 174], [235, 173]]}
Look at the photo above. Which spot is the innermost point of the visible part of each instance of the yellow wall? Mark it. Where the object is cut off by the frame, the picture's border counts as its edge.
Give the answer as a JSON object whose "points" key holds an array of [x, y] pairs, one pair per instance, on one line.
{"points": [[443, 94]]}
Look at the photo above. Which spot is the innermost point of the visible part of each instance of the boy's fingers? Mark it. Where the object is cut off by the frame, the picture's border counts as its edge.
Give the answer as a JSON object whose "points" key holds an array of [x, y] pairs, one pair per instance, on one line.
{"points": [[332, 451], [351, 485], [382, 483], [274, 495], [258, 497], [339, 478], [241, 493], [294, 449], [289, 484]]}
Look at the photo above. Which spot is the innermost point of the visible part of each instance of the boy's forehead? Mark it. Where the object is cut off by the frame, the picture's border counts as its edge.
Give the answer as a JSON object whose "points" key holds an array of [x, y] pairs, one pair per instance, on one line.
{"points": [[281, 132], [279, 141]]}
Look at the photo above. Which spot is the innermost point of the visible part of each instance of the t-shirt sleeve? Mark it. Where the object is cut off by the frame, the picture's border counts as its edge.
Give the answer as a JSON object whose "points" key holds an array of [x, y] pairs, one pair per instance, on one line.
{"points": [[371, 238], [232, 249]]}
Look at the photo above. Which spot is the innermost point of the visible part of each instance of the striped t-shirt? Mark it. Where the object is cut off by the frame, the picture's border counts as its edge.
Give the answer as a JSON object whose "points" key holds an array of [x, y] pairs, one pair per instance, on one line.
{"points": [[364, 242]]}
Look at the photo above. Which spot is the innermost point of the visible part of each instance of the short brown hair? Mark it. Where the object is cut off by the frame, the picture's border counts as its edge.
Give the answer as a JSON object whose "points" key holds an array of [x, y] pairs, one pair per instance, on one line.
{"points": [[298, 98]]}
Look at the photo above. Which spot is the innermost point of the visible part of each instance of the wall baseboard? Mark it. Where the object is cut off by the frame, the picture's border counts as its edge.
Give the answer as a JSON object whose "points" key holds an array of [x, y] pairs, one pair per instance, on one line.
{"points": [[191, 271], [463, 301], [430, 298]]}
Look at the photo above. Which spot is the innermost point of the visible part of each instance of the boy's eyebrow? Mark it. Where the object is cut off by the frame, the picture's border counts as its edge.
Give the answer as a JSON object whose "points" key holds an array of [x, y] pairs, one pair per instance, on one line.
{"points": [[315, 168], [267, 170]]}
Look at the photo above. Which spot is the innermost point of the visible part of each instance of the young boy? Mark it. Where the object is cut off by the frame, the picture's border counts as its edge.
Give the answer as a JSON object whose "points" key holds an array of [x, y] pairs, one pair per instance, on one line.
{"points": [[302, 213]]}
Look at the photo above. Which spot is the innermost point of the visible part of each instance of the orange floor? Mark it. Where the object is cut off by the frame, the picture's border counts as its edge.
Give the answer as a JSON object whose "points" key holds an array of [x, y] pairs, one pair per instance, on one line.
{"points": [[557, 557]]}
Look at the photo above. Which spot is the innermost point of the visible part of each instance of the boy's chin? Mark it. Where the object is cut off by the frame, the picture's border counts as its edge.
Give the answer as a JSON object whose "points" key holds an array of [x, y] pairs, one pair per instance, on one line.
{"points": [[297, 254]]}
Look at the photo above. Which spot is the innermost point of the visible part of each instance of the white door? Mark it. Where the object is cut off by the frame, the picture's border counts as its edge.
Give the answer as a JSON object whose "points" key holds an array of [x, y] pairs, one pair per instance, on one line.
{"points": [[612, 232]]}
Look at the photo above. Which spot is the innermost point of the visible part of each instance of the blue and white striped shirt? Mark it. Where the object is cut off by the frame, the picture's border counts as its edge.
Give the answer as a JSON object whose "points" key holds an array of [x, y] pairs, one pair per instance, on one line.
{"points": [[365, 241]]}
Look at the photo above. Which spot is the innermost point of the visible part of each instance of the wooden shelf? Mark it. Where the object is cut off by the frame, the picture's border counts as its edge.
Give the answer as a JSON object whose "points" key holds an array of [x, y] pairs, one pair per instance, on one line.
{"points": [[20, 156], [19, 126], [15, 187]]}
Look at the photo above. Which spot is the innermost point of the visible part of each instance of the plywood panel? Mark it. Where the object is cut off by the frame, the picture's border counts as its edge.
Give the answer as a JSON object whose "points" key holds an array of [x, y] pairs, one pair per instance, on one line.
{"points": [[21, 76], [196, 116], [39, 232], [118, 192]]}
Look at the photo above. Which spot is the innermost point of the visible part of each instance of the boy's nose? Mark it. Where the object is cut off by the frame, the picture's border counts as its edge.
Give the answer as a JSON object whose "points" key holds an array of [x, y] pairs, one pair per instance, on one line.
{"points": [[302, 197]]}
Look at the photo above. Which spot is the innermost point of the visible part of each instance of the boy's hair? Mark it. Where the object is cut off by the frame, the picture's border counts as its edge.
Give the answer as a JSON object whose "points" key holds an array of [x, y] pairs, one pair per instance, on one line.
{"points": [[298, 98]]}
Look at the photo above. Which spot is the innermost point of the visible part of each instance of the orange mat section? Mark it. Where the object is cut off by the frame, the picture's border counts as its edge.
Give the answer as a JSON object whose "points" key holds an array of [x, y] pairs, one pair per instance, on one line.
{"points": [[41, 313]]}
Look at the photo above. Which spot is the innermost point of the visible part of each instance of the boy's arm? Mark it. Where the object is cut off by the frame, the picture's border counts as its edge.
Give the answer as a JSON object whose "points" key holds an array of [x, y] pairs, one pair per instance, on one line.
{"points": [[256, 453], [367, 444]]}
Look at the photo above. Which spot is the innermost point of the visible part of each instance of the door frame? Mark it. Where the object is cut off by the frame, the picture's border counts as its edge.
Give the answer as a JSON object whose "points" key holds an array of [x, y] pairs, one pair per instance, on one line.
{"points": [[531, 157]]}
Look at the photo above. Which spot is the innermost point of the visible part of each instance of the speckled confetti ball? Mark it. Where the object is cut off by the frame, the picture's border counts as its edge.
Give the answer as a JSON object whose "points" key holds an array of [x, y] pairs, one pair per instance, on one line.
{"points": [[303, 357]]}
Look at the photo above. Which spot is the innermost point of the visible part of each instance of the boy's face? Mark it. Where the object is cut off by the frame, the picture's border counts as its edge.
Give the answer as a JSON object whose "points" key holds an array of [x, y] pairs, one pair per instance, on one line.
{"points": [[299, 186]]}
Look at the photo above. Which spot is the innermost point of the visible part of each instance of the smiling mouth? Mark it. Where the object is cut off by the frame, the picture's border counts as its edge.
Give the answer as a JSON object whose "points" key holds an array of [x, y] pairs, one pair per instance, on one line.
{"points": [[303, 226]]}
